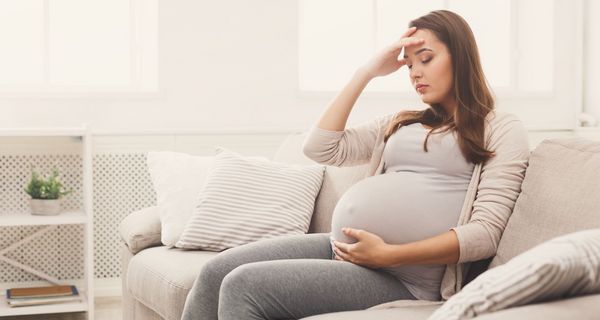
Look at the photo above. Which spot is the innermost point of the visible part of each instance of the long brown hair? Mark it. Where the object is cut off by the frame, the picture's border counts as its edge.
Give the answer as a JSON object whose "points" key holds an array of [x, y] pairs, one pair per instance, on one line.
{"points": [[470, 89]]}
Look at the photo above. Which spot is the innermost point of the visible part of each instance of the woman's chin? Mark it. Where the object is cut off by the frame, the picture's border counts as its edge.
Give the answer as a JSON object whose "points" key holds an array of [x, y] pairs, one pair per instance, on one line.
{"points": [[428, 100], [425, 100]]}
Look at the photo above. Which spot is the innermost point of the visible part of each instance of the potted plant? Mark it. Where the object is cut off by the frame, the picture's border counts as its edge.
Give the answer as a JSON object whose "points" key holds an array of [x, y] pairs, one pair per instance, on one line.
{"points": [[46, 194]]}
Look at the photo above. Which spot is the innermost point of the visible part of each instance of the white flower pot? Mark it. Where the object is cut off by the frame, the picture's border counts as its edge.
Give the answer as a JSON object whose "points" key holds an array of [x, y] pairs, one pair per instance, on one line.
{"points": [[45, 207]]}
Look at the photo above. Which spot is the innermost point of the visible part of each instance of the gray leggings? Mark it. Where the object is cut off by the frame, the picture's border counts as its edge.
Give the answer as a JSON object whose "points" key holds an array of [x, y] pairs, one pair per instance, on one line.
{"points": [[266, 280]]}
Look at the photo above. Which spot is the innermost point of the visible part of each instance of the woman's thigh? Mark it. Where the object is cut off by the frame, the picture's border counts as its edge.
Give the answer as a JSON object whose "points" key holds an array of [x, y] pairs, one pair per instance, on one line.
{"points": [[293, 289], [303, 246], [202, 300]]}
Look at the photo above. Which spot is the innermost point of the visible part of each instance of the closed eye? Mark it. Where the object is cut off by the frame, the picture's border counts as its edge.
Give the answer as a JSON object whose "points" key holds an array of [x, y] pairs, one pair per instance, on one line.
{"points": [[424, 62]]}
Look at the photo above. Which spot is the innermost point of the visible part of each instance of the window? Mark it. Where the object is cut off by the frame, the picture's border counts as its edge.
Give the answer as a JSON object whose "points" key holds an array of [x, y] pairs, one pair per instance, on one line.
{"points": [[75, 46], [530, 50]]}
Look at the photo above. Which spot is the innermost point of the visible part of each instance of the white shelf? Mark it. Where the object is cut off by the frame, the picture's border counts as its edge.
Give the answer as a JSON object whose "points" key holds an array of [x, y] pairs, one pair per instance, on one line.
{"points": [[83, 216], [45, 132], [26, 219], [6, 310]]}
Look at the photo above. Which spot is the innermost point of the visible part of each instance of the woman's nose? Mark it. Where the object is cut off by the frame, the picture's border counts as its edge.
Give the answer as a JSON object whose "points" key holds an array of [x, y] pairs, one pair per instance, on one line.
{"points": [[415, 73]]}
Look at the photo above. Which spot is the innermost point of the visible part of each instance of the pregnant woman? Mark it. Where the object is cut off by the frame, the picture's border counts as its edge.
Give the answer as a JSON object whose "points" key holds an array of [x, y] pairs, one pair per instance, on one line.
{"points": [[441, 185]]}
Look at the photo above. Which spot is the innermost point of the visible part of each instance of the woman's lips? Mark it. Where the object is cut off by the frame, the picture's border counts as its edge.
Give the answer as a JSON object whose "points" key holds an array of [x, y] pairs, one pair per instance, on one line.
{"points": [[421, 88]]}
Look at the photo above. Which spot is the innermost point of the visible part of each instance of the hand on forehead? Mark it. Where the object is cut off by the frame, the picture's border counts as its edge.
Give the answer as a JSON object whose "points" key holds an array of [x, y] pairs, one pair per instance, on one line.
{"points": [[431, 43]]}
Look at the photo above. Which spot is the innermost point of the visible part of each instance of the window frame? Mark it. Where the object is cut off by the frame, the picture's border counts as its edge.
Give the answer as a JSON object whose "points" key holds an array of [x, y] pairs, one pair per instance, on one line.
{"points": [[137, 48]]}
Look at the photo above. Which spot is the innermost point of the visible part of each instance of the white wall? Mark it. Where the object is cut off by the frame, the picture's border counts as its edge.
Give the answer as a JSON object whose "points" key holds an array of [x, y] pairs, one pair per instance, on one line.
{"points": [[591, 66], [223, 64]]}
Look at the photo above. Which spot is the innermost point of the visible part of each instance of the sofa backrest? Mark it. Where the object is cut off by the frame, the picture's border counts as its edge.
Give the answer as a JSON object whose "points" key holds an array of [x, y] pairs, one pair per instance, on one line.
{"points": [[560, 194], [336, 181]]}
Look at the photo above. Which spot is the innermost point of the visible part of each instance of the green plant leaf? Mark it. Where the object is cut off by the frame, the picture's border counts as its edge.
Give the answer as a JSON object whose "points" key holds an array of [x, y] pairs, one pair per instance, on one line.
{"points": [[45, 188]]}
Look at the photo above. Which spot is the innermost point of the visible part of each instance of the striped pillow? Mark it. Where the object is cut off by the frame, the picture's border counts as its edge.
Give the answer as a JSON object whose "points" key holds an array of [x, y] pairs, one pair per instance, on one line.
{"points": [[245, 200], [562, 267]]}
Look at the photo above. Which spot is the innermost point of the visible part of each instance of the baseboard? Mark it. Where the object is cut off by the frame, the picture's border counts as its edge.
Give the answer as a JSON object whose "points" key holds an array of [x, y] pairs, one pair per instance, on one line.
{"points": [[107, 287]]}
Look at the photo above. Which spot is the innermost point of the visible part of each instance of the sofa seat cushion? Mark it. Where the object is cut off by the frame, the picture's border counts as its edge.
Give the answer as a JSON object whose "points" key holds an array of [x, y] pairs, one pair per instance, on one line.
{"points": [[161, 278], [586, 307], [413, 312]]}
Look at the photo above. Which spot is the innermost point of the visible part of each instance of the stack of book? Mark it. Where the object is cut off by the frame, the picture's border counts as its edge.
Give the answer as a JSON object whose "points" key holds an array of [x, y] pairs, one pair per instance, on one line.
{"points": [[18, 297]]}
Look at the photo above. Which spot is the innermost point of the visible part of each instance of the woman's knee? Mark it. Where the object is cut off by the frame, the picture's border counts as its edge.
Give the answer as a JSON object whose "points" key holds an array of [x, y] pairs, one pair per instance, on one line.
{"points": [[241, 280], [240, 291], [248, 282], [211, 274]]}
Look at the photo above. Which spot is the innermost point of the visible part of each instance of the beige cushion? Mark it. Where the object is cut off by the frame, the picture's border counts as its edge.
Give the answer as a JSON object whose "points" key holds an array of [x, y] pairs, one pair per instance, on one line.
{"points": [[161, 278], [560, 194], [414, 312], [565, 266], [580, 308]]}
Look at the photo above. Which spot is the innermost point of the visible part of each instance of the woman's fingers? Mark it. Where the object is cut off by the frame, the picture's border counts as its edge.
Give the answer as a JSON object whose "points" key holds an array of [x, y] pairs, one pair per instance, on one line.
{"points": [[408, 32], [407, 42], [341, 246], [342, 256], [407, 35]]}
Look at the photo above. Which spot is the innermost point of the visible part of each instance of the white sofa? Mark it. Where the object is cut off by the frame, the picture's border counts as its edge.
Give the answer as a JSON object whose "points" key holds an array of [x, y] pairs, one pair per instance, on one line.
{"points": [[156, 280]]}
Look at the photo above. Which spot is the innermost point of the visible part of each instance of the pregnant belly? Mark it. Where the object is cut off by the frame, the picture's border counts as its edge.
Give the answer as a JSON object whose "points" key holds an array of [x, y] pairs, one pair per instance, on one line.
{"points": [[399, 207]]}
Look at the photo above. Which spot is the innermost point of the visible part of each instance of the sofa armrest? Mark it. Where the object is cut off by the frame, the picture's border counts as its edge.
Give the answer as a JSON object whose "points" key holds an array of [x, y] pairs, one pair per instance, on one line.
{"points": [[581, 308], [141, 229]]}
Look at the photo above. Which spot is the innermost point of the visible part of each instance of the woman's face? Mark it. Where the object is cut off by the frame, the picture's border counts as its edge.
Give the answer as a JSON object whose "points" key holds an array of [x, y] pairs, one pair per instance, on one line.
{"points": [[430, 69]]}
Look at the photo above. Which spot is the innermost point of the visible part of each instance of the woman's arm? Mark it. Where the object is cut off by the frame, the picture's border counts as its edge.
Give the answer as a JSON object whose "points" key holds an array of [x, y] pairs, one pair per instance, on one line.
{"points": [[371, 251], [383, 63], [441, 249], [498, 189], [338, 111], [329, 142]]}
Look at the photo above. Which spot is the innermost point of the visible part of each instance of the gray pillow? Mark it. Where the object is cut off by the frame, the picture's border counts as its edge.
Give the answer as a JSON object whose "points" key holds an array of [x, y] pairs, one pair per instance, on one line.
{"points": [[565, 266]]}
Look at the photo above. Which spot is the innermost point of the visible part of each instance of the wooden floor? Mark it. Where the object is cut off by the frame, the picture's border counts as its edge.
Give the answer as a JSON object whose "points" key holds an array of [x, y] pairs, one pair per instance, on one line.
{"points": [[106, 309]]}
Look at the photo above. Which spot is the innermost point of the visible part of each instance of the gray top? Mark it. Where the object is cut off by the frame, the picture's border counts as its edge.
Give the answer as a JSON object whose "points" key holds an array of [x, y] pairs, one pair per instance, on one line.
{"points": [[490, 198], [418, 195]]}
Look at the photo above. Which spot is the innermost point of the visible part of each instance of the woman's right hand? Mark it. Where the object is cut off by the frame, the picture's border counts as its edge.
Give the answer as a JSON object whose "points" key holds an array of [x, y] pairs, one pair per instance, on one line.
{"points": [[386, 61]]}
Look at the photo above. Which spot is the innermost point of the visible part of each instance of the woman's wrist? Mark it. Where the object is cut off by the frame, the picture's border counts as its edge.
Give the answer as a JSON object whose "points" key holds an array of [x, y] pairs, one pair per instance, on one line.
{"points": [[389, 255], [363, 74]]}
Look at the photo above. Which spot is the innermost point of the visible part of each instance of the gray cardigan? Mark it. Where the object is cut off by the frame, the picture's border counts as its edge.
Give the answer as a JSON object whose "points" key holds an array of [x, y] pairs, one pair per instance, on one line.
{"points": [[489, 200]]}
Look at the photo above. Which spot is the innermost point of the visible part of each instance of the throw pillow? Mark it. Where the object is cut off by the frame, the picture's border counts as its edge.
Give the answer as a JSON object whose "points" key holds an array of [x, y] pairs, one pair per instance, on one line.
{"points": [[245, 200], [177, 179], [564, 266]]}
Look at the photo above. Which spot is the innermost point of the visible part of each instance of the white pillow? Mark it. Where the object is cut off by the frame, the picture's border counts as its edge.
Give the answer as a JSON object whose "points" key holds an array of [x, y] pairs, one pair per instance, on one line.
{"points": [[177, 179], [564, 266], [245, 200]]}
